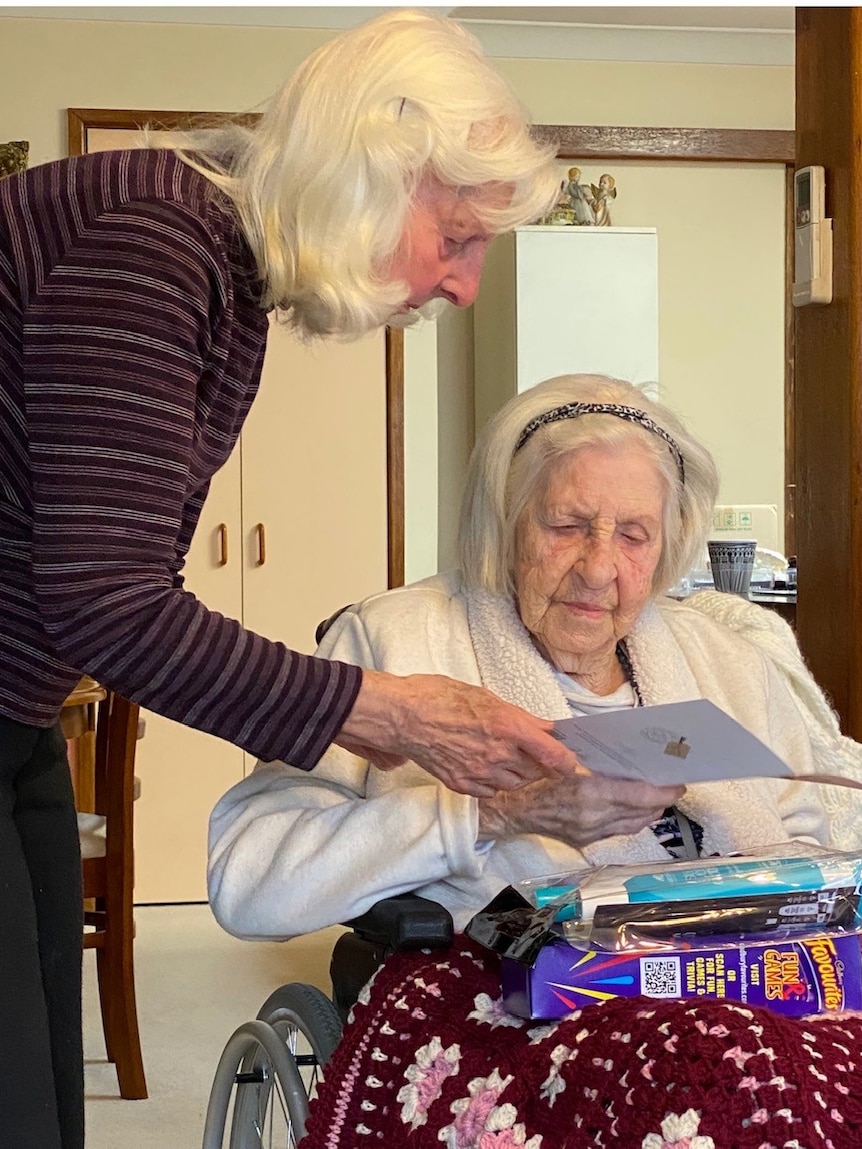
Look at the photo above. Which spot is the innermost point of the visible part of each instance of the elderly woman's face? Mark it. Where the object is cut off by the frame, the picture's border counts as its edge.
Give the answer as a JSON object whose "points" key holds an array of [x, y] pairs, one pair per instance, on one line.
{"points": [[587, 546], [443, 247]]}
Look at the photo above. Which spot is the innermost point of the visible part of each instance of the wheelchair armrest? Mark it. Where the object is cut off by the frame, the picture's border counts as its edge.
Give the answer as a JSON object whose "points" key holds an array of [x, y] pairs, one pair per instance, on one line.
{"points": [[406, 922]]}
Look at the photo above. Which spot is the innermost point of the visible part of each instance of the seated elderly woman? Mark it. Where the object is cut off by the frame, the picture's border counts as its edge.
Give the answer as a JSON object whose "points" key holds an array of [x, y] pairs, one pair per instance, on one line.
{"points": [[585, 502]]}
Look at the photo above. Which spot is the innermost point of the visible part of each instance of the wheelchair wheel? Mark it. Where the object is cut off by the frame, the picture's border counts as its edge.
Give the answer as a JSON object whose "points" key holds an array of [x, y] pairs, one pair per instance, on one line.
{"points": [[258, 1099], [308, 1023]]}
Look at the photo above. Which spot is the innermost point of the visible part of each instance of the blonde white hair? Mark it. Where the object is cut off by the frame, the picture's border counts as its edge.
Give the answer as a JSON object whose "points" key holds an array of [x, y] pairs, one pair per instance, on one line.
{"points": [[324, 182], [502, 480]]}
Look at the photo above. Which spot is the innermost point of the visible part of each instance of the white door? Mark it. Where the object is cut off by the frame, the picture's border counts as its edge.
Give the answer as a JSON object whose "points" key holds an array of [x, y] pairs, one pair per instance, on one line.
{"points": [[311, 471], [314, 485], [184, 772]]}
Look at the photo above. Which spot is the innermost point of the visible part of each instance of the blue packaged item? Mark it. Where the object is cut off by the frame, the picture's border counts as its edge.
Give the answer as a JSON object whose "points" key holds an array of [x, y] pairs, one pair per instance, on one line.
{"points": [[786, 868]]}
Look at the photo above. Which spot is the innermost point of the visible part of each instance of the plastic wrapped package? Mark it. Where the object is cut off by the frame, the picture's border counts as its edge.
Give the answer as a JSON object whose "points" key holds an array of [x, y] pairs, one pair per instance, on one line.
{"points": [[657, 925], [784, 869], [780, 929]]}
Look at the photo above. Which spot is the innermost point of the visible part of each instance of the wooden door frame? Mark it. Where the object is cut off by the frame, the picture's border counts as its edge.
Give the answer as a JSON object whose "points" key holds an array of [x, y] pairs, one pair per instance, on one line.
{"points": [[688, 145], [678, 145], [708, 145]]}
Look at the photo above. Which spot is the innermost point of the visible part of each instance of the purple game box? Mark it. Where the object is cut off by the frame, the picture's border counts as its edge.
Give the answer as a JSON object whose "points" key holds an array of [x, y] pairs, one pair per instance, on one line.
{"points": [[814, 973]]}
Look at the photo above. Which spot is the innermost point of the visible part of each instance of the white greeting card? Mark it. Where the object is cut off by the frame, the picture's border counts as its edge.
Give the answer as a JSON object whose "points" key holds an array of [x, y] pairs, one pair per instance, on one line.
{"points": [[677, 743]]}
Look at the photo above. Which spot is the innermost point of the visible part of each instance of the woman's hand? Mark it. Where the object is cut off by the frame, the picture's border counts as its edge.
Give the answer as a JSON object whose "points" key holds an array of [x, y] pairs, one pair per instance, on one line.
{"points": [[576, 810], [464, 735]]}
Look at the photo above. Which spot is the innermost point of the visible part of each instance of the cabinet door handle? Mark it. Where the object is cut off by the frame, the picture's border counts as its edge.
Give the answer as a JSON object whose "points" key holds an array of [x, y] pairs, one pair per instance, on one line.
{"points": [[221, 530], [261, 544]]}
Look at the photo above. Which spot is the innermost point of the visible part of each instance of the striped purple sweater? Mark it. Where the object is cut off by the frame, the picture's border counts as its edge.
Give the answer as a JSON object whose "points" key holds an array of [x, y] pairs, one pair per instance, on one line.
{"points": [[131, 346]]}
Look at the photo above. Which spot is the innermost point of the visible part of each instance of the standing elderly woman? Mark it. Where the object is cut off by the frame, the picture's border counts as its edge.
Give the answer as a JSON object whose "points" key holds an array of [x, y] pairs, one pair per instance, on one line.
{"points": [[134, 289], [584, 503]]}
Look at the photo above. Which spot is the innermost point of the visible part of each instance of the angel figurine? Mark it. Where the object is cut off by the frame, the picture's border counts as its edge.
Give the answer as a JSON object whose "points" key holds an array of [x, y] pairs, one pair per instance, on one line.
{"points": [[573, 203], [579, 199], [601, 197]]}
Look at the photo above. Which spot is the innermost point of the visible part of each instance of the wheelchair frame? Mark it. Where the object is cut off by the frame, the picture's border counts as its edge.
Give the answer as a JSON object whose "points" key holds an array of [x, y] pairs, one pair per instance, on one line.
{"points": [[270, 1068]]}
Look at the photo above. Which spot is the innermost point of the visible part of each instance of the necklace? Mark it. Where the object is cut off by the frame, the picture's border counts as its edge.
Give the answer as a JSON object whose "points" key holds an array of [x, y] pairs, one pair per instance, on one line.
{"points": [[629, 671]]}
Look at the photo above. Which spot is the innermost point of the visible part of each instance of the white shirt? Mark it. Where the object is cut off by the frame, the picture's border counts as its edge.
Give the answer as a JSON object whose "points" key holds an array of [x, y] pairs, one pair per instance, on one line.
{"points": [[582, 701]]}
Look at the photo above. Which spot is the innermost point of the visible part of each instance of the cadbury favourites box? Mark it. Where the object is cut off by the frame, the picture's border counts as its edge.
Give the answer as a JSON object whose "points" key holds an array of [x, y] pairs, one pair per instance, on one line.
{"points": [[810, 973]]}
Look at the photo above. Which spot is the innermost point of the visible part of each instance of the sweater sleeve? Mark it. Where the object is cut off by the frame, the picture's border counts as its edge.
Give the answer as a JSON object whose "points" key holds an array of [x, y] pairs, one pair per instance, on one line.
{"points": [[800, 804], [118, 340], [290, 852]]}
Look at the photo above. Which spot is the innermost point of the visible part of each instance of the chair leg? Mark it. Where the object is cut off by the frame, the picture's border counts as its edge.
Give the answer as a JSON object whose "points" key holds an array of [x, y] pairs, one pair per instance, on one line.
{"points": [[105, 1007], [115, 965], [105, 997]]}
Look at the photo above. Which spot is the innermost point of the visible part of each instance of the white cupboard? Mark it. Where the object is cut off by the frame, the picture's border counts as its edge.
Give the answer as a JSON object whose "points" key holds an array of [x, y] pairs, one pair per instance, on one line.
{"points": [[294, 527], [560, 300]]}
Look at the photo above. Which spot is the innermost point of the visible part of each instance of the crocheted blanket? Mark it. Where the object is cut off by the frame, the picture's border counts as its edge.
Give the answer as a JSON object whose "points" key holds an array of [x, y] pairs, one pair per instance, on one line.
{"points": [[431, 1057]]}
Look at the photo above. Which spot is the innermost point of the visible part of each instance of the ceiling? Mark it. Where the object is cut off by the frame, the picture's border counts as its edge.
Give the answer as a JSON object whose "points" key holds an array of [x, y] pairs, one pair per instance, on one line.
{"points": [[774, 18], [675, 34]]}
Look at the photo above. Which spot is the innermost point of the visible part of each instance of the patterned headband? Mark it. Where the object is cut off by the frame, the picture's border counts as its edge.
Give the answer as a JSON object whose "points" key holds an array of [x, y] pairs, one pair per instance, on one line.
{"points": [[631, 414]]}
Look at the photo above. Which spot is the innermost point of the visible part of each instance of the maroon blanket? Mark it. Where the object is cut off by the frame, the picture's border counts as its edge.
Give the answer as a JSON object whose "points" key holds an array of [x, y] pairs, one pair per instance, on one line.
{"points": [[431, 1058]]}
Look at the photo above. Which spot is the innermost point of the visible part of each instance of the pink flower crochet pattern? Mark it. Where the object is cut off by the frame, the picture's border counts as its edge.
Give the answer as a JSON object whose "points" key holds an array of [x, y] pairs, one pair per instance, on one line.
{"points": [[678, 1131], [482, 1124], [425, 1079]]}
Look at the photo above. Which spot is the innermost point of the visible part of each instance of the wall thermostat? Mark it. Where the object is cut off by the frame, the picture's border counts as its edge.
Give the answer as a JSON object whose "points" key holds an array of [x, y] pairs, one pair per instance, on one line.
{"points": [[812, 274]]}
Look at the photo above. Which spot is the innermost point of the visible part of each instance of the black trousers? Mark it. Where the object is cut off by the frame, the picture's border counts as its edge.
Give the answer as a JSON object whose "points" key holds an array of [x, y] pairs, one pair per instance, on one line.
{"points": [[41, 912]]}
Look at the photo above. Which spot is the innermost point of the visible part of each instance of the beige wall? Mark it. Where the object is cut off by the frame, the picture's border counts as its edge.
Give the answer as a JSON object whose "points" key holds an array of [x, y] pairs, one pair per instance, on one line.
{"points": [[721, 309], [711, 390], [654, 95], [49, 65]]}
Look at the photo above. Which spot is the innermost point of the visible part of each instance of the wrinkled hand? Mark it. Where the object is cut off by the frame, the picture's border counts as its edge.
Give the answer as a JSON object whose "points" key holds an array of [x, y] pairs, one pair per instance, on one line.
{"points": [[577, 810], [464, 735]]}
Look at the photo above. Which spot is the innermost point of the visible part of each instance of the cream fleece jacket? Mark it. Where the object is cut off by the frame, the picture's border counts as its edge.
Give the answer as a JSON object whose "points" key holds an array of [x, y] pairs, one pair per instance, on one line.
{"points": [[291, 852]]}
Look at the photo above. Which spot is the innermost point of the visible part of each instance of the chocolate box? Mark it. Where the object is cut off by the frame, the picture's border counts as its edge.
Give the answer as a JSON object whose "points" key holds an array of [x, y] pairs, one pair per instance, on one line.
{"points": [[813, 973]]}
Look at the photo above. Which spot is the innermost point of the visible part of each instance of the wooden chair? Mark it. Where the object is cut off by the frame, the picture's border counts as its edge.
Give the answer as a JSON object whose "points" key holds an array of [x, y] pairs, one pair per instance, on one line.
{"points": [[107, 847]]}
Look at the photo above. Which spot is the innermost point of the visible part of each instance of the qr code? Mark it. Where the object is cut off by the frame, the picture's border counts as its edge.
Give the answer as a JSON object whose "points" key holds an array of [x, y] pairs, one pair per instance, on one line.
{"points": [[660, 977]]}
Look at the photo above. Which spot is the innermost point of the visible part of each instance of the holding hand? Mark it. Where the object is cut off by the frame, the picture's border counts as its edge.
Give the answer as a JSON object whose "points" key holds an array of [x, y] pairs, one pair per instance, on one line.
{"points": [[464, 735], [576, 811]]}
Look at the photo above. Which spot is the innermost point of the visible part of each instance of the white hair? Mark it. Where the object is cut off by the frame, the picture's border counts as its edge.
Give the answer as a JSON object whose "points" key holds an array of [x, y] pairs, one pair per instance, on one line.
{"points": [[501, 480], [323, 183]]}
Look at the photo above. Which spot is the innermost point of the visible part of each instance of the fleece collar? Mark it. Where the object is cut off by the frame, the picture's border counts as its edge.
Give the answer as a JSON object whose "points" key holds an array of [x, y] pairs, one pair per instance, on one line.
{"points": [[512, 668]]}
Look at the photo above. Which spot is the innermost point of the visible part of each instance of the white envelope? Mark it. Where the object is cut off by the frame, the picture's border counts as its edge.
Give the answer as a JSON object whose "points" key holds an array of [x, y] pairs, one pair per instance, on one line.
{"points": [[675, 744]]}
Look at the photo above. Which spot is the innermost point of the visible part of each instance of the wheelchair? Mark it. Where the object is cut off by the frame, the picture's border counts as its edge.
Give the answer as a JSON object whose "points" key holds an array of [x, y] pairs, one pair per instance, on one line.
{"points": [[271, 1067]]}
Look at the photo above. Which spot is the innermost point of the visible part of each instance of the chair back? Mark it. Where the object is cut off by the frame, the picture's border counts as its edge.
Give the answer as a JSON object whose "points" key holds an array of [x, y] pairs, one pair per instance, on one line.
{"points": [[108, 878], [114, 782]]}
